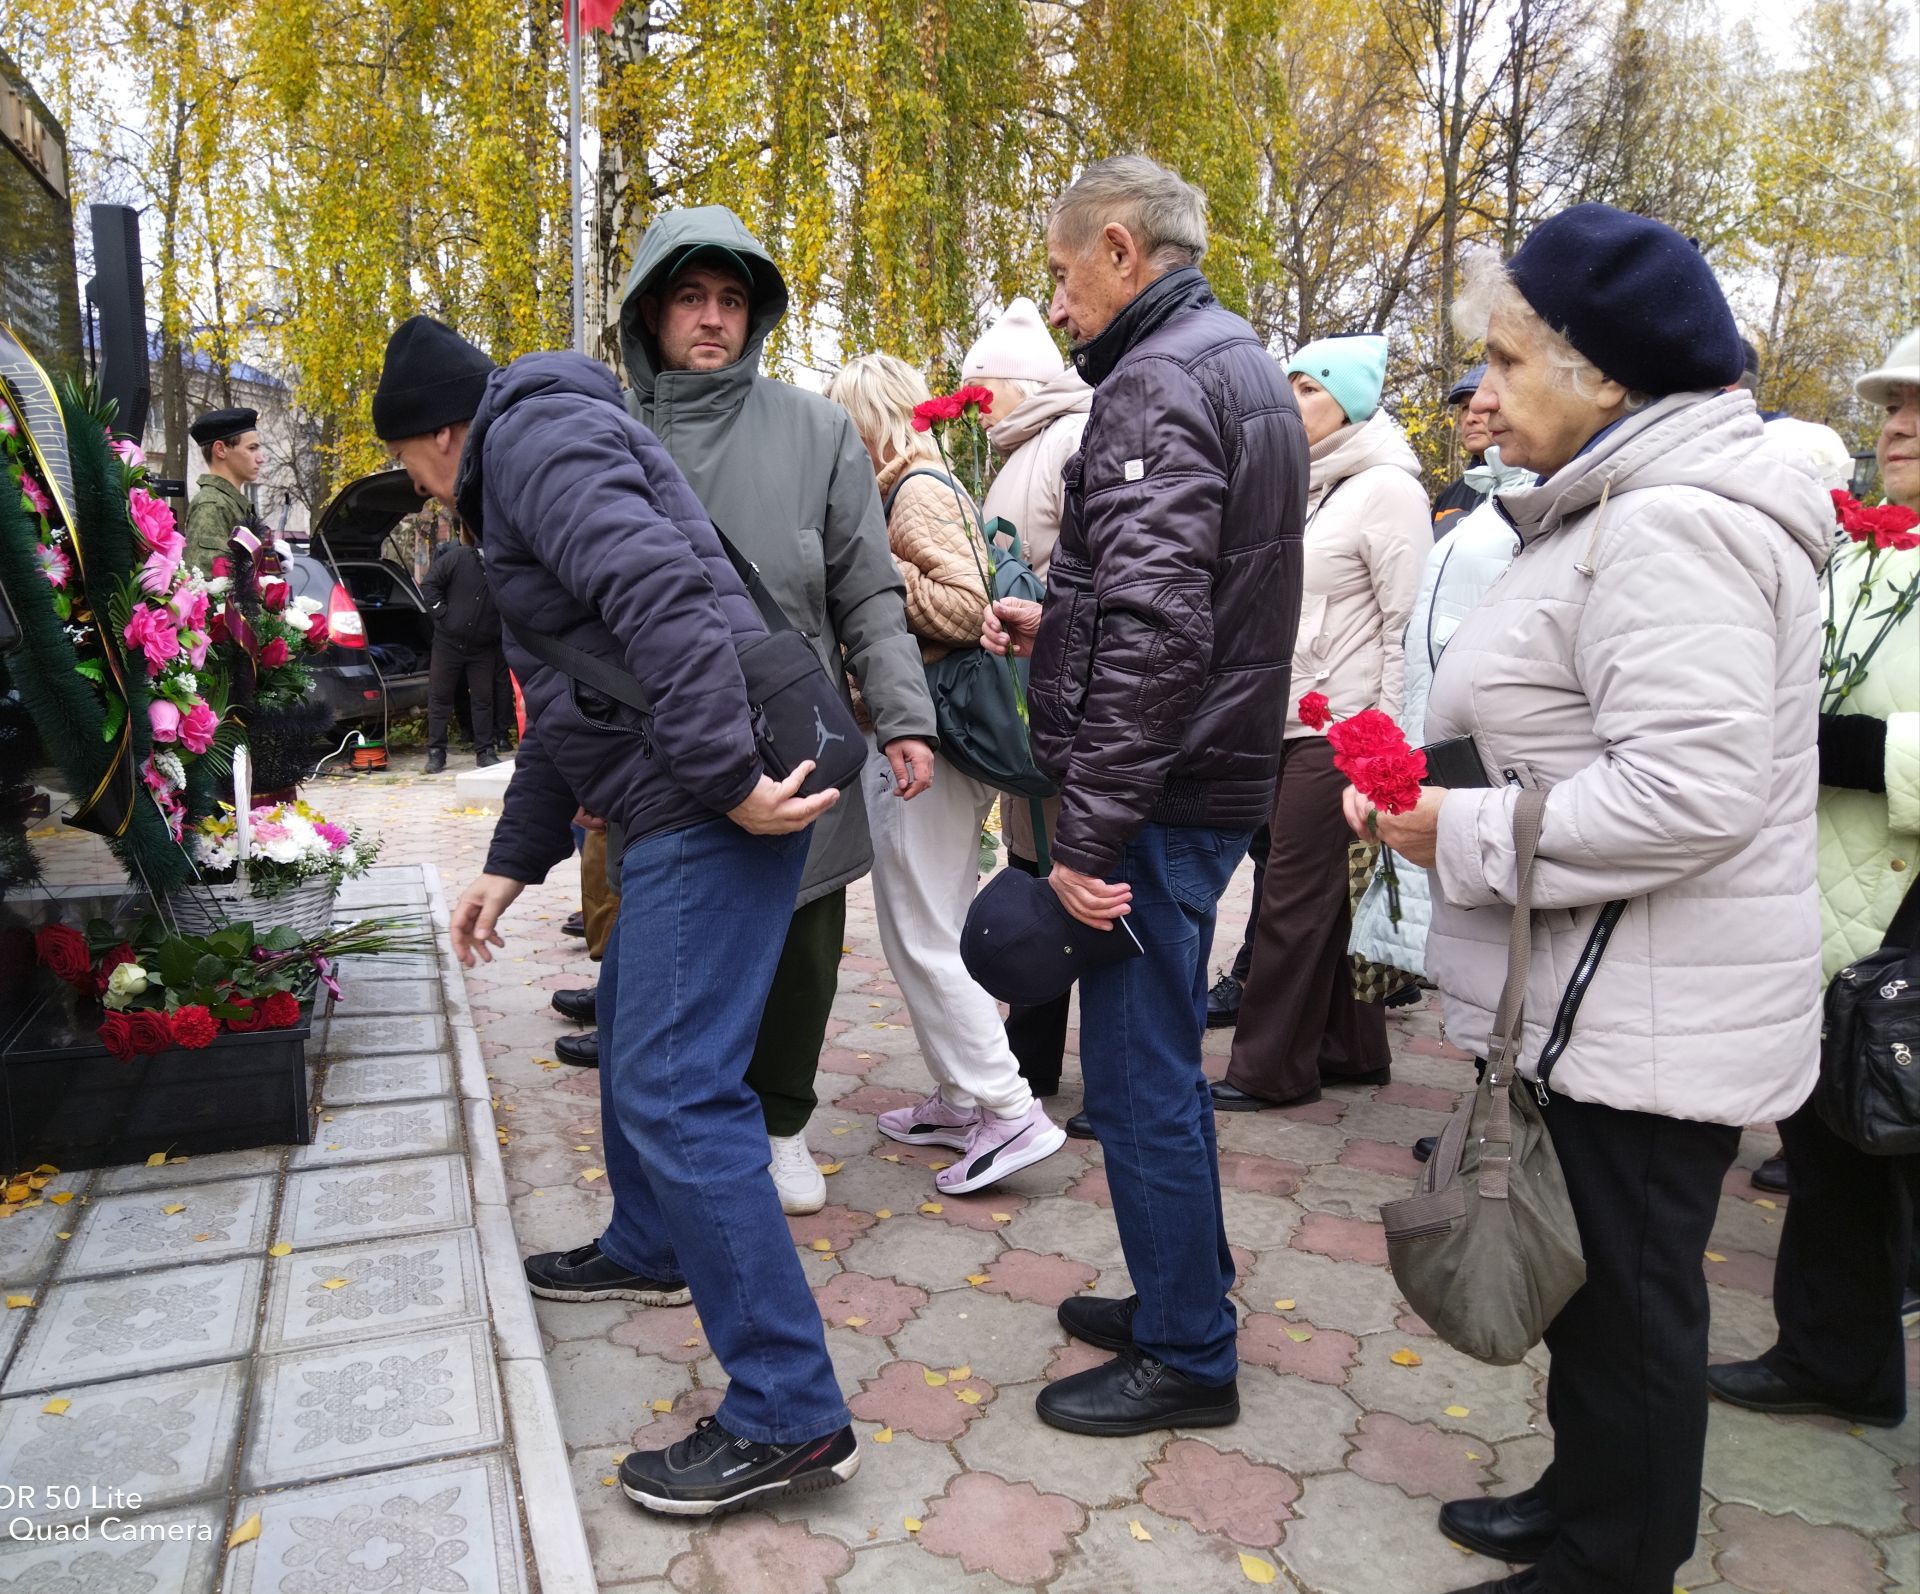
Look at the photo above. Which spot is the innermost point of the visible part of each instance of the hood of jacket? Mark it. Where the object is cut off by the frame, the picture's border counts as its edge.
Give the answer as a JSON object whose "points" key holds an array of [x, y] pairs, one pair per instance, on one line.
{"points": [[1377, 440], [1711, 441], [530, 376], [1066, 394], [661, 247]]}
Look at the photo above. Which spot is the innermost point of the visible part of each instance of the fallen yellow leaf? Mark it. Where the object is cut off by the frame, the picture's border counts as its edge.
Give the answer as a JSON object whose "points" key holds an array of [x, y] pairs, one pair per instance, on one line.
{"points": [[1473, 1455], [856, 1322], [46, 1167], [57, 1407], [333, 1284], [960, 1373], [1003, 1217], [1456, 1411], [931, 1206], [688, 1344], [1715, 1256], [282, 1249], [1257, 1570], [61, 1197], [1299, 1335], [64, 1234], [883, 1436], [1140, 1533], [970, 1396], [583, 1148], [334, 1147], [823, 1245], [609, 1482], [15, 1302], [178, 1206], [590, 1174], [663, 1405], [1404, 1358], [157, 1160], [1769, 1205], [863, 1057], [840, 1131], [831, 1167], [934, 1380], [884, 1212], [246, 1533], [199, 1237], [1283, 1306], [979, 1278], [913, 1524], [937, 1166]]}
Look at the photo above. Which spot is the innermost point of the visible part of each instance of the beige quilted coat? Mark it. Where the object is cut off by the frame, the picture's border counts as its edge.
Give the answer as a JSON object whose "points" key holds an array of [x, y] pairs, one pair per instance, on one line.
{"points": [[933, 546], [1651, 656], [1870, 842]]}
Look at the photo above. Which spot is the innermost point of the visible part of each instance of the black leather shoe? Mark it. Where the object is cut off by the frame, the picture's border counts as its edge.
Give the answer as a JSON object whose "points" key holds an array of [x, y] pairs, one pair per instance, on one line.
{"points": [[1527, 1582], [712, 1470], [1425, 1147], [436, 760], [1080, 1126], [1133, 1394], [1230, 1098], [1771, 1176], [575, 924], [1757, 1387], [583, 1051], [1377, 1076], [1223, 1003], [1099, 1319], [486, 758], [1517, 1529], [584, 1274], [575, 1005]]}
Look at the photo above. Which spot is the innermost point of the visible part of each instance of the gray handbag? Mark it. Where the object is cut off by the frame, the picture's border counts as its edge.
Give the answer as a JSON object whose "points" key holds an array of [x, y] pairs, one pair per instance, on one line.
{"points": [[1487, 1251]]}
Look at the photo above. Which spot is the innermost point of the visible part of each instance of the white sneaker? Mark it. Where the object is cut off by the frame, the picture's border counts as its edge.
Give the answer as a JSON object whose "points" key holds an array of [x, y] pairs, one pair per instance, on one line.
{"points": [[802, 1186]]}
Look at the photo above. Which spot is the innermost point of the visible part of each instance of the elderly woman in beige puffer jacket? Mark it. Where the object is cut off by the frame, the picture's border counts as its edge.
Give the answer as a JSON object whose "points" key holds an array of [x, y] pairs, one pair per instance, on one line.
{"points": [[1650, 658], [926, 852]]}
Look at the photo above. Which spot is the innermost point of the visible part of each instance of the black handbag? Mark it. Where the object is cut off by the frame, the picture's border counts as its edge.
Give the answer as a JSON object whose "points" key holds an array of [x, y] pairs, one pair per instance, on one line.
{"points": [[982, 732], [798, 711], [1868, 1092]]}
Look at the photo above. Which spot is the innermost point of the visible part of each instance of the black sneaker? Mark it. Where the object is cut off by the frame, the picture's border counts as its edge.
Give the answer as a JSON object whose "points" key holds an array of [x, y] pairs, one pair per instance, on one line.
{"points": [[712, 1470], [1223, 1003], [486, 758], [436, 761], [583, 1274]]}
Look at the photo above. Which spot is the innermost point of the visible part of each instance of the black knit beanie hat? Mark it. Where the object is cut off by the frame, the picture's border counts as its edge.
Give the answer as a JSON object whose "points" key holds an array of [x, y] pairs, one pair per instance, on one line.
{"points": [[432, 377], [1633, 296]]}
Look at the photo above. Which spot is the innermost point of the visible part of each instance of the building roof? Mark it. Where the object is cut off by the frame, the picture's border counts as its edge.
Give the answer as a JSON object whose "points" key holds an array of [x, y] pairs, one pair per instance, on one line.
{"points": [[203, 364]]}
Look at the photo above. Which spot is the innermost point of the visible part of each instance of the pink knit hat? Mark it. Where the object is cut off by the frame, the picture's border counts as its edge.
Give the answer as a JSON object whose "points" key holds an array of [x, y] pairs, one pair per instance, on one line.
{"points": [[1017, 347]]}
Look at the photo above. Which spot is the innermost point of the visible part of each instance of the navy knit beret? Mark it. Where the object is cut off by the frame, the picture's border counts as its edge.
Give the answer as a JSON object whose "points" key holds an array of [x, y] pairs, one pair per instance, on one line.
{"points": [[1633, 296]]}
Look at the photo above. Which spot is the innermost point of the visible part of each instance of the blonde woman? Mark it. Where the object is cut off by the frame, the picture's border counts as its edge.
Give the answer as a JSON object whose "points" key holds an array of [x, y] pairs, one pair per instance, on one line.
{"points": [[926, 853]]}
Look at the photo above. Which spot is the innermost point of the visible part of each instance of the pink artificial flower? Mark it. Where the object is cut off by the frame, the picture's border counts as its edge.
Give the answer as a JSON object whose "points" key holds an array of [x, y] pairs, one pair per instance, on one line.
{"points": [[154, 521], [53, 564], [36, 496], [222, 566], [127, 449], [165, 719], [154, 633], [197, 728], [189, 606], [155, 777], [158, 573], [332, 835], [274, 654], [195, 644], [265, 830], [7, 423]]}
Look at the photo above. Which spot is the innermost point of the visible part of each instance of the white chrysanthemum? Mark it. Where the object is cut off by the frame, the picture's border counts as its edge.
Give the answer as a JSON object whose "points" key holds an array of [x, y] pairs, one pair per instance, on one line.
{"points": [[307, 605]]}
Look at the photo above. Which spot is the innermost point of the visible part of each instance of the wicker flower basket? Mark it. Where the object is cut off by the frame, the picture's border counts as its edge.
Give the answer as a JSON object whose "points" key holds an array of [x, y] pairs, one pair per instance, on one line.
{"points": [[307, 909]]}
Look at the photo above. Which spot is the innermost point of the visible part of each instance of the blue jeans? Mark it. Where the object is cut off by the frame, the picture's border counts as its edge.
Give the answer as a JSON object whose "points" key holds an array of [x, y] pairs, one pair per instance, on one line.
{"points": [[1141, 1022], [703, 915]]}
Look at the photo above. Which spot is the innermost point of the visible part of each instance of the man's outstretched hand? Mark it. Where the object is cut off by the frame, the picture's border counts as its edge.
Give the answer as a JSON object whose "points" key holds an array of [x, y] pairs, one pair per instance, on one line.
{"points": [[477, 912]]}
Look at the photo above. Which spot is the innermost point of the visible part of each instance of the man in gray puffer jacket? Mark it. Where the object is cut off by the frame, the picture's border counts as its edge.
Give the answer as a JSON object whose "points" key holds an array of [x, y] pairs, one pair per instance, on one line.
{"points": [[787, 479]]}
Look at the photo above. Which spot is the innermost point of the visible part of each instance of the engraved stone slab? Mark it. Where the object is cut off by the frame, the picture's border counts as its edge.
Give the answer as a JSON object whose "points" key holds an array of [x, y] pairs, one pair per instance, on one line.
{"points": [[391, 1285], [320, 1413], [156, 1552], [355, 972], [420, 1530], [377, 998], [136, 1231], [193, 1170], [112, 1327], [376, 1037], [367, 1134], [377, 1201], [375, 1079], [27, 1243], [167, 1438]]}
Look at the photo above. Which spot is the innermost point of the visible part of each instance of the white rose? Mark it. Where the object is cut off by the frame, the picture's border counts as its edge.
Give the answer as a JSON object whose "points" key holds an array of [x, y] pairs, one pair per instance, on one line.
{"points": [[307, 605], [125, 983]]}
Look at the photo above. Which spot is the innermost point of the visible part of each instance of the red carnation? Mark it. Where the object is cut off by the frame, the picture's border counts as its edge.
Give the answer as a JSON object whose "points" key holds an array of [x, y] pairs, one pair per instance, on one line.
{"points": [[111, 961], [274, 653], [281, 1010], [116, 1034], [980, 398], [249, 1018], [1370, 751], [192, 1027], [151, 1032], [1888, 526], [1316, 713], [65, 952]]}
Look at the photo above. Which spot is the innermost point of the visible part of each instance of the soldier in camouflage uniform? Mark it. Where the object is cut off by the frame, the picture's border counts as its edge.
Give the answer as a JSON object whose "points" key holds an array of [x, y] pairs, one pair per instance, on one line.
{"points": [[230, 444]]}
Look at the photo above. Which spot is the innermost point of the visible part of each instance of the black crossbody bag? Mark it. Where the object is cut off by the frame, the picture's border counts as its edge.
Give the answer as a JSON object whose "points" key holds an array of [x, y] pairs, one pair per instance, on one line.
{"points": [[798, 711], [1869, 1087]]}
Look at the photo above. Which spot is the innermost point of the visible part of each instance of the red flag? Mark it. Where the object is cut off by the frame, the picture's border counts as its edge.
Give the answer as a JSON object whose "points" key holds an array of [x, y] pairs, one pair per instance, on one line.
{"points": [[595, 15]]}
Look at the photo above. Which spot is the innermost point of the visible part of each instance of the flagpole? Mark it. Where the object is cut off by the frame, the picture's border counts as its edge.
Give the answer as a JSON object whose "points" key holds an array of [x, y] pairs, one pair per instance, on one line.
{"points": [[573, 177]]}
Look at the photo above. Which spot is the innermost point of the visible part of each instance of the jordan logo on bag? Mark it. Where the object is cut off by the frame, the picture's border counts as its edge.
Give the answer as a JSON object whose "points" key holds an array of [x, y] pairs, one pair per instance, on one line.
{"points": [[825, 735]]}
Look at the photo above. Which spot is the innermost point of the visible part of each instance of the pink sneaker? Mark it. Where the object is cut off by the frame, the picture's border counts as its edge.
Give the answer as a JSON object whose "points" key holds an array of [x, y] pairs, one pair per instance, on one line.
{"points": [[1000, 1146], [932, 1123]]}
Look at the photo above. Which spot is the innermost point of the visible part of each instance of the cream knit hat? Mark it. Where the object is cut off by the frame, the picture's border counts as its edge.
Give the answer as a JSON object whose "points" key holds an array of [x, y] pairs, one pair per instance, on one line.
{"points": [[1017, 347]]}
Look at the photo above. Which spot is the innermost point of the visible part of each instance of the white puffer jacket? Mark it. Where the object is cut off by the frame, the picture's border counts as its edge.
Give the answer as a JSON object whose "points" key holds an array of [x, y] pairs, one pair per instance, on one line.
{"points": [[1651, 656], [1038, 436]]}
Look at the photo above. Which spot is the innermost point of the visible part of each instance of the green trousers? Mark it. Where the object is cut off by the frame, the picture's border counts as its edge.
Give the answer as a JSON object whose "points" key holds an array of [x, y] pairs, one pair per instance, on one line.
{"points": [[793, 1025]]}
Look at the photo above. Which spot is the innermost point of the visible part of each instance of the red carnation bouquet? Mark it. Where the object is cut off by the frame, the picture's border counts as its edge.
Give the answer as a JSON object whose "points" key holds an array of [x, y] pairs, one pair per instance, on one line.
{"points": [[1885, 531], [1372, 752]]}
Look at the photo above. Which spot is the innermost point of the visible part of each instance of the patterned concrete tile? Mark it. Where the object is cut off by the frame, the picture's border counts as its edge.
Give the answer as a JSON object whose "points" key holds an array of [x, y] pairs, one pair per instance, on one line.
{"points": [[1301, 1426], [1110, 1556], [1786, 1464], [757, 1555], [167, 1437], [370, 1134], [376, 1079], [875, 1307], [384, 1200], [390, 998], [391, 1285], [160, 1552], [446, 1526], [93, 1329], [321, 1413], [892, 1568], [193, 1170], [1004, 1340], [1343, 1295], [28, 1247], [897, 1480], [1500, 1398], [1221, 1491], [375, 1037], [1014, 1444], [1420, 1459], [1290, 1345], [1010, 1529], [1761, 1554], [920, 1252], [1349, 1531], [903, 1396], [137, 1230]]}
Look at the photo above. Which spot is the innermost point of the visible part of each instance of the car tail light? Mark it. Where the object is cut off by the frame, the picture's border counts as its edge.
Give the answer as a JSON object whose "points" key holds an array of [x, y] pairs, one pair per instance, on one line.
{"points": [[344, 625]]}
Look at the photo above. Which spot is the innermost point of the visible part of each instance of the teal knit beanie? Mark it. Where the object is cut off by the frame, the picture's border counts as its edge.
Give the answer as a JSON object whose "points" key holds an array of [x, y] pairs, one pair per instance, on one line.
{"points": [[1352, 367]]}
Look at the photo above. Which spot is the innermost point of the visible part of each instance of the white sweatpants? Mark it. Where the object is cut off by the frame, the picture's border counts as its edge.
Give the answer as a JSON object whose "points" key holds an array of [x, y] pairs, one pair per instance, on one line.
{"points": [[926, 868]]}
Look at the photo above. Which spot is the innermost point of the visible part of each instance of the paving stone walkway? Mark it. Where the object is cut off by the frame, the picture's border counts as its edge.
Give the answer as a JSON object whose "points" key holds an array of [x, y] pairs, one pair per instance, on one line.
{"points": [[939, 1316]]}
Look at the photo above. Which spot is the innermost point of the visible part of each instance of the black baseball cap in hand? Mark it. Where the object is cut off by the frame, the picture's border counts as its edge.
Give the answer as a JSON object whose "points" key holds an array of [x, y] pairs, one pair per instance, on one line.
{"points": [[1023, 947]]}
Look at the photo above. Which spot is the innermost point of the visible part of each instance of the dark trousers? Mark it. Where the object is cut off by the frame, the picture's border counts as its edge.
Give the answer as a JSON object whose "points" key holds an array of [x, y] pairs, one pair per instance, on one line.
{"points": [[450, 661], [1627, 1392], [1257, 850], [1845, 1251], [1299, 1019], [793, 1025], [1038, 1035]]}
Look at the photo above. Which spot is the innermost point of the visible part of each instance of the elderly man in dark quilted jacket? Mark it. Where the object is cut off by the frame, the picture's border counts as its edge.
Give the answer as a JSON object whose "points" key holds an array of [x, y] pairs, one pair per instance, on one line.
{"points": [[1160, 663]]}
